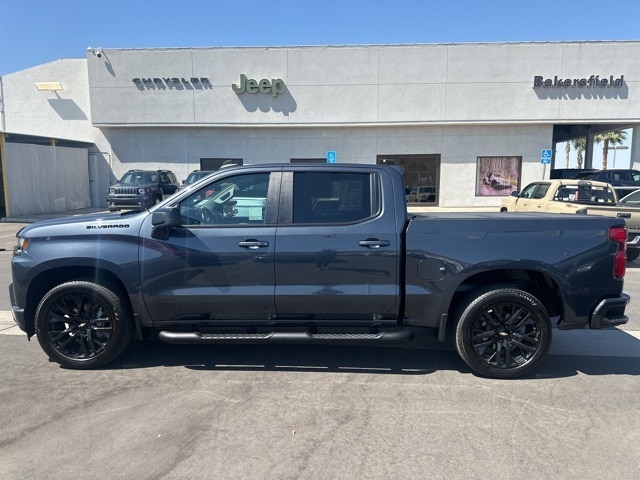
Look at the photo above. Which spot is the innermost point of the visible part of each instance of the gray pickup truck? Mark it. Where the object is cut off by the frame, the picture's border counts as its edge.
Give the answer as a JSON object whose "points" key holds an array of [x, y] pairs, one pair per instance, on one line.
{"points": [[315, 254]]}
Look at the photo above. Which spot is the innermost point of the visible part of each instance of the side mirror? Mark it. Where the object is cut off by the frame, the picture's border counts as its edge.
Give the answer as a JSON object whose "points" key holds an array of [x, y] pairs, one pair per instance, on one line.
{"points": [[515, 194], [163, 220]]}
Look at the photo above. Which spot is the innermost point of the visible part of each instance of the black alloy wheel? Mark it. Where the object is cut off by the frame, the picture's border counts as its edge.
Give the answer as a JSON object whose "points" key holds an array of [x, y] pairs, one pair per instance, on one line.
{"points": [[83, 324], [503, 333]]}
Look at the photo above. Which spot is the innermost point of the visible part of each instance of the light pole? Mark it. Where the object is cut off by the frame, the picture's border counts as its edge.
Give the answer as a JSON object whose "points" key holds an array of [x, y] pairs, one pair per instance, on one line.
{"points": [[615, 149]]}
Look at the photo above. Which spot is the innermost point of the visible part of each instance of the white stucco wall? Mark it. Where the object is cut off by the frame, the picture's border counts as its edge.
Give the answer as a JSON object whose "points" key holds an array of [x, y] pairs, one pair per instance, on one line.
{"points": [[62, 114], [459, 146], [459, 101], [360, 85]]}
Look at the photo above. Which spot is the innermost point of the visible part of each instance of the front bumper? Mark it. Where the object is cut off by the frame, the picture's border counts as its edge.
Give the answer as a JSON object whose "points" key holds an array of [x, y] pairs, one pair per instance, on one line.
{"points": [[609, 312], [129, 201], [18, 312]]}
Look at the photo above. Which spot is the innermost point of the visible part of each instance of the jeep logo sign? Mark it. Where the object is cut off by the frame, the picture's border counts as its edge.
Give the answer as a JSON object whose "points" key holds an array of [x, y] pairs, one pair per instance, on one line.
{"points": [[251, 85]]}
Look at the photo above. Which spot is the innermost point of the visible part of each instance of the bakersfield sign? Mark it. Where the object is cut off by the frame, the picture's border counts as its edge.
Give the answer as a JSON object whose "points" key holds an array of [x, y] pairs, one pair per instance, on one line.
{"points": [[593, 81]]}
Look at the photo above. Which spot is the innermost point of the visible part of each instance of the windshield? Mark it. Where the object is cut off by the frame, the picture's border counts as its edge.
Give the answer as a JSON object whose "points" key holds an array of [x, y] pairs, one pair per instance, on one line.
{"points": [[134, 178], [584, 175], [195, 176], [632, 199]]}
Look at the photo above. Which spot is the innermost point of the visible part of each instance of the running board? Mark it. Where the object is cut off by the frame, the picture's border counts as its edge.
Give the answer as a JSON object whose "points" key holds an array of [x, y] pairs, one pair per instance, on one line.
{"points": [[396, 336]]}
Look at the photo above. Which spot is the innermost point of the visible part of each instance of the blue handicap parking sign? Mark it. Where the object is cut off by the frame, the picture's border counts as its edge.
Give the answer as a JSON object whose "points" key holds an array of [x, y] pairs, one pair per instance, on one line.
{"points": [[331, 157], [545, 156]]}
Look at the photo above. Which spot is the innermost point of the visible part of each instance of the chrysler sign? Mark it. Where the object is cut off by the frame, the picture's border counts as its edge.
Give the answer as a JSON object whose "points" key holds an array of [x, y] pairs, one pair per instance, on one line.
{"points": [[178, 83]]}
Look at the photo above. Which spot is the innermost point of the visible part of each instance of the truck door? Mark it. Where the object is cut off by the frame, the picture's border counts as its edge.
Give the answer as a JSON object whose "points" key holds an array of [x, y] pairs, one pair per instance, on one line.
{"points": [[218, 266], [532, 198], [337, 252]]}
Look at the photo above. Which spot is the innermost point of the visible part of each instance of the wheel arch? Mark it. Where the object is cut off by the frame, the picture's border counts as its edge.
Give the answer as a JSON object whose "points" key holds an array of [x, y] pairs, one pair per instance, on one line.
{"points": [[50, 278], [539, 284]]}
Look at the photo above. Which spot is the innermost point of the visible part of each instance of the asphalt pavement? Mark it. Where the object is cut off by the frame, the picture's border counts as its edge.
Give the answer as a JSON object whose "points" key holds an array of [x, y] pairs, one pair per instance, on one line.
{"points": [[312, 412]]}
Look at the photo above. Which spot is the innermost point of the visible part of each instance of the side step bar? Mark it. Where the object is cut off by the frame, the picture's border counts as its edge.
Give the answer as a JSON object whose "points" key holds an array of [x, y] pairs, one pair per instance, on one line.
{"points": [[395, 336]]}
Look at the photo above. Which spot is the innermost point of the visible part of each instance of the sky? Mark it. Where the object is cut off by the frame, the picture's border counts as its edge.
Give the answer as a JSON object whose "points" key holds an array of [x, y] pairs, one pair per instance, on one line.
{"points": [[33, 32]]}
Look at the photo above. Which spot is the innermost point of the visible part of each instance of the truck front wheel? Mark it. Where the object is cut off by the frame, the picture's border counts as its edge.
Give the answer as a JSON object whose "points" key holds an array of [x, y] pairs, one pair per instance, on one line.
{"points": [[502, 332], [83, 325]]}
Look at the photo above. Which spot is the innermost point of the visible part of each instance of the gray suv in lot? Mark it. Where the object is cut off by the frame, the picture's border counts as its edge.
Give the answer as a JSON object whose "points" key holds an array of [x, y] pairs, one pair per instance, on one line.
{"points": [[140, 189]]}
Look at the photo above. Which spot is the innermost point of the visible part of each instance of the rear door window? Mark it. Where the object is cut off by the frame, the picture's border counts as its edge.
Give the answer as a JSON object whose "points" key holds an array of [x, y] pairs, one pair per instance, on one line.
{"points": [[333, 197]]}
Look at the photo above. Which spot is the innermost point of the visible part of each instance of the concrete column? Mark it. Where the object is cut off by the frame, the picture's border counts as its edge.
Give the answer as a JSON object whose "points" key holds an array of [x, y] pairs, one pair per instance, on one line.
{"points": [[3, 167], [635, 148], [588, 152]]}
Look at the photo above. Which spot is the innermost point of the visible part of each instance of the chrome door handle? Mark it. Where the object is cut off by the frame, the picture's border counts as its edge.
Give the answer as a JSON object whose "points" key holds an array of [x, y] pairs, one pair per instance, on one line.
{"points": [[374, 243], [253, 244]]}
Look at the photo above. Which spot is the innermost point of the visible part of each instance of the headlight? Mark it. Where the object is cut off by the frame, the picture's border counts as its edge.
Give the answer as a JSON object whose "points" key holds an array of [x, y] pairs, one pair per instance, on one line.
{"points": [[112, 191], [142, 190], [23, 243]]}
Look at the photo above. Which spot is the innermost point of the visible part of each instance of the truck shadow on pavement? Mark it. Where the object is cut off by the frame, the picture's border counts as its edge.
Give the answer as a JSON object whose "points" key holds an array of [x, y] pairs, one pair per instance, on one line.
{"points": [[293, 358], [350, 359], [560, 366]]}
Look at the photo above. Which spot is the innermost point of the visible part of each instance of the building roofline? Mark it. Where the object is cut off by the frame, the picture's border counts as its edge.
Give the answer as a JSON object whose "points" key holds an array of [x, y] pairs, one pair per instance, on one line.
{"points": [[374, 45]]}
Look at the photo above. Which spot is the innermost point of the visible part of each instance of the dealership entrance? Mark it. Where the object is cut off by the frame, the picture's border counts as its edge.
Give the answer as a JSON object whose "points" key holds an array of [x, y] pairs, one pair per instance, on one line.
{"points": [[593, 146]]}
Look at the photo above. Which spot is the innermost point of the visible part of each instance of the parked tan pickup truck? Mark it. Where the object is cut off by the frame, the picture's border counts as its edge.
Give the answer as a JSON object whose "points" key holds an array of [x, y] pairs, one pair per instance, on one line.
{"points": [[577, 196]]}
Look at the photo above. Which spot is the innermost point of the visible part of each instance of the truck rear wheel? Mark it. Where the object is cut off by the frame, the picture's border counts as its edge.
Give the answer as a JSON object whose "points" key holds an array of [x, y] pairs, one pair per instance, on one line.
{"points": [[503, 332], [83, 325]]}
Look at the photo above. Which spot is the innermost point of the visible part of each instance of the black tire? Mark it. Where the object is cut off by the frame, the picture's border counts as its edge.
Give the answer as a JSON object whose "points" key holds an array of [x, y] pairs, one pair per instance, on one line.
{"points": [[502, 332], [83, 325]]}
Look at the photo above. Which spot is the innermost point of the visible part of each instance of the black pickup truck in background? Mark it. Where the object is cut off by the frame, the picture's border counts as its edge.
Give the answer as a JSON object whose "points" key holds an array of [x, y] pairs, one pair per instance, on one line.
{"points": [[315, 254]]}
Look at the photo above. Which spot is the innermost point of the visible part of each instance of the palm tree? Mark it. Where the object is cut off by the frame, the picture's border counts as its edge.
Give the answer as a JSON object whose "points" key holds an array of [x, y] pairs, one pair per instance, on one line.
{"points": [[567, 151], [580, 144], [615, 137]]}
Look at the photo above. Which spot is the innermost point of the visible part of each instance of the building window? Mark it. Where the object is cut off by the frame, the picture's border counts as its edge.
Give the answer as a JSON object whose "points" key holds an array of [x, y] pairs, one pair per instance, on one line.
{"points": [[421, 176], [498, 176], [216, 163], [308, 160]]}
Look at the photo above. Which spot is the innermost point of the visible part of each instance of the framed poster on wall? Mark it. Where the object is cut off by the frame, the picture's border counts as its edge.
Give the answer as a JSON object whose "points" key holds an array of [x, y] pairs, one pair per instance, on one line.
{"points": [[498, 176]]}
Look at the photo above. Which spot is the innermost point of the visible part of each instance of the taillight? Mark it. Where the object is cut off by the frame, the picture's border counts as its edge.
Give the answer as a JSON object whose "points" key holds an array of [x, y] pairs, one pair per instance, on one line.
{"points": [[619, 235]]}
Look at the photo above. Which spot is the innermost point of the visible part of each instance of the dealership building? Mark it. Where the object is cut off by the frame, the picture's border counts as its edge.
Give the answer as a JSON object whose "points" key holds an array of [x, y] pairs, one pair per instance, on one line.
{"points": [[469, 123]]}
